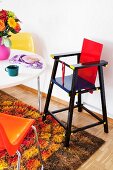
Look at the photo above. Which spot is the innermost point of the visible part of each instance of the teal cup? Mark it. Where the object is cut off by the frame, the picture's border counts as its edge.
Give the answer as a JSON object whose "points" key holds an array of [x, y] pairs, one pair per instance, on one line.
{"points": [[12, 70]]}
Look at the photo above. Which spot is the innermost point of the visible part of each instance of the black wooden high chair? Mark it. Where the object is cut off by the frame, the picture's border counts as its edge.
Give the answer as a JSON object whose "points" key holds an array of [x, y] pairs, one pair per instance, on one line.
{"points": [[82, 80]]}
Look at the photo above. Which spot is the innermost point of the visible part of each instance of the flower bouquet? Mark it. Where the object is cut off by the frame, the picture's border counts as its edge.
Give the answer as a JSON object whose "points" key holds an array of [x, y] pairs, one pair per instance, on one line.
{"points": [[9, 24]]}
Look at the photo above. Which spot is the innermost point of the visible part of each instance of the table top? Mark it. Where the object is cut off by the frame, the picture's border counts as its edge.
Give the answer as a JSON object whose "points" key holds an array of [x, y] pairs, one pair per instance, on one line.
{"points": [[25, 73]]}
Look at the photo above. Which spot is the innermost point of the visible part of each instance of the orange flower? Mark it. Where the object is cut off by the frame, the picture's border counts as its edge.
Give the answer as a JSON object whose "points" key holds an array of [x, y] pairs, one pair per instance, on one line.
{"points": [[17, 28], [12, 22], [2, 25]]}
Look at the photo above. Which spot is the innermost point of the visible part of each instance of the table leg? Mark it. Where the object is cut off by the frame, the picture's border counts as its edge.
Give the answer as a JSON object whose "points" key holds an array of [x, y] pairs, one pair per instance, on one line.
{"points": [[39, 94]]}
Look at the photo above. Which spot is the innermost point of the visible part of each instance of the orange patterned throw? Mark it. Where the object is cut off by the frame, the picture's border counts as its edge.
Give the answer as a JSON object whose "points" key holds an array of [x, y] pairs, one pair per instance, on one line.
{"points": [[51, 136]]}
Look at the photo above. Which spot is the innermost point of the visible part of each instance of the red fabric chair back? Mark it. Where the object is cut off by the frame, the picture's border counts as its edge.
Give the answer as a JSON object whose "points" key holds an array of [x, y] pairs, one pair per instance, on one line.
{"points": [[91, 51]]}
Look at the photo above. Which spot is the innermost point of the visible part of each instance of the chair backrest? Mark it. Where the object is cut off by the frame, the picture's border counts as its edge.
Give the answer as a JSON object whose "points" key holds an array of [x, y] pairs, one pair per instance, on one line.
{"points": [[13, 130], [91, 51], [22, 41], [2, 147]]}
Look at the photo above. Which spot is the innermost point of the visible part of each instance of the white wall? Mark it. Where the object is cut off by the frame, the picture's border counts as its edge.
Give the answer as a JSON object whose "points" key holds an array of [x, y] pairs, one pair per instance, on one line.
{"points": [[61, 25]]}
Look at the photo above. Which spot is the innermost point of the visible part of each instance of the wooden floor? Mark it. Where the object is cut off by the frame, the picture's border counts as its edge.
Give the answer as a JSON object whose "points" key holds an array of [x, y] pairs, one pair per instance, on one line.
{"points": [[103, 158]]}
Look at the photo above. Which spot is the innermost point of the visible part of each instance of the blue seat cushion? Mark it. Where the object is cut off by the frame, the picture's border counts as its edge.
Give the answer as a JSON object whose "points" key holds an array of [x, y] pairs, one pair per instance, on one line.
{"points": [[81, 83]]}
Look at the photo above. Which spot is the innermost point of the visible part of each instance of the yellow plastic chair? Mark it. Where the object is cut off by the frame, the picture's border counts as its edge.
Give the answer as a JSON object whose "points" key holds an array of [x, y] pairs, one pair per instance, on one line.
{"points": [[22, 41]]}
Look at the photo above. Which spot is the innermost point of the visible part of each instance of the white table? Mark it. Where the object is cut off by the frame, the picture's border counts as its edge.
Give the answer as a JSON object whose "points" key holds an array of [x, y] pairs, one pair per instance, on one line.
{"points": [[25, 73]]}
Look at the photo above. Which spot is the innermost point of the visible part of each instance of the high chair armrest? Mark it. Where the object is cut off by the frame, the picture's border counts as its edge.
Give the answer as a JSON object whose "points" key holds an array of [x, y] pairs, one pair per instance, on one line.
{"points": [[85, 65], [90, 64], [57, 56]]}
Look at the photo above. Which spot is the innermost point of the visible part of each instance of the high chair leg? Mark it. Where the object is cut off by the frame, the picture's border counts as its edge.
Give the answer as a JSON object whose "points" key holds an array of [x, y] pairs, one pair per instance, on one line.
{"points": [[50, 90], [103, 100]]}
